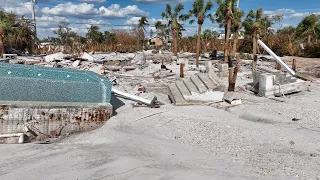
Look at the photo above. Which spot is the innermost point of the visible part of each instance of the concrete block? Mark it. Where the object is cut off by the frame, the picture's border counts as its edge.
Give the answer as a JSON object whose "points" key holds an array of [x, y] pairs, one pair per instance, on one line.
{"points": [[87, 56], [230, 96], [236, 102], [208, 66], [223, 70], [10, 56], [293, 87], [266, 85], [4, 60]]}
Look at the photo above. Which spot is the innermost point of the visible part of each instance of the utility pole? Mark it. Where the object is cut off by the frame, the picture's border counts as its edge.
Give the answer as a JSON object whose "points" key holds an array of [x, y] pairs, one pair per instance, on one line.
{"points": [[238, 4], [34, 2]]}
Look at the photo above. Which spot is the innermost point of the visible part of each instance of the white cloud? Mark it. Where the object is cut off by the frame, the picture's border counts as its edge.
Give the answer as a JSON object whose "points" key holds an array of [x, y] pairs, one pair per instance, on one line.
{"points": [[83, 10], [160, 1], [132, 21], [280, 11], [70, 9], [50, 21], [89, 22], [301, 15], [93, 1], [18, 8]]}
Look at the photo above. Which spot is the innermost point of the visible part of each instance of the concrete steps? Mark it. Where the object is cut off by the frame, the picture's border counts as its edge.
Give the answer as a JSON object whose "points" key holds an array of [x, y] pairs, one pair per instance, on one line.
{"points": [[199, 84], [191, 86], [198, 88], [175, 95]]}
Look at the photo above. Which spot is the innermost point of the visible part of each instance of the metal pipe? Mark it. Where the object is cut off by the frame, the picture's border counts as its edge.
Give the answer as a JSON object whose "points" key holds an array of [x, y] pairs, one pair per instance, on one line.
{"points": [[284, 65]]}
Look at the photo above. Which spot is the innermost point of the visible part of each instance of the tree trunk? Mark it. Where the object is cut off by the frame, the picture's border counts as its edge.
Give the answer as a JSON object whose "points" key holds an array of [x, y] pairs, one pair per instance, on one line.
{"points": [[175, 42], [309, 39], [226, 48], [225, 54], [198, 45], [1, 41], [235, 43], [254, 45]]}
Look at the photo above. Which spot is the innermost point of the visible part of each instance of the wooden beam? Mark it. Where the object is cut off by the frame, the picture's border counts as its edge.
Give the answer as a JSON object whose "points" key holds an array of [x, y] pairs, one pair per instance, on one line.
{"points": [[181, 70]]}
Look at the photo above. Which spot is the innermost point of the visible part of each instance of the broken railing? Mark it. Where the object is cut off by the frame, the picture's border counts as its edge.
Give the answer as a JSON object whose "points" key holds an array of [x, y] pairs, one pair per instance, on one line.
{"points": [[277, 58]]}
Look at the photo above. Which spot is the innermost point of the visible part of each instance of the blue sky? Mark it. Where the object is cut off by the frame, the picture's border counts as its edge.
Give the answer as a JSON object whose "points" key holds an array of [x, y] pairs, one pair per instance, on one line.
{"points": [[123, 14]]}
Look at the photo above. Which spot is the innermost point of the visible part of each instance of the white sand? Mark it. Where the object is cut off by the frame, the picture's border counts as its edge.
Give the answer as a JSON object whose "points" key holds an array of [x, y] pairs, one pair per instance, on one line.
{"points": [[257, 140]]}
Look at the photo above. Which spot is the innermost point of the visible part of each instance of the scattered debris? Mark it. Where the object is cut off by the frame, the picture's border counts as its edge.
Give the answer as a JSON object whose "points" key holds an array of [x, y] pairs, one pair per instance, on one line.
{"points": [[295, 119]]}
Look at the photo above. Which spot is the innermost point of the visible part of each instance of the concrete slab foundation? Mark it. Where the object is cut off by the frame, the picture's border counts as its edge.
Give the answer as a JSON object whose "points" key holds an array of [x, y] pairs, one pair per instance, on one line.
{"points": [[50, 120]]}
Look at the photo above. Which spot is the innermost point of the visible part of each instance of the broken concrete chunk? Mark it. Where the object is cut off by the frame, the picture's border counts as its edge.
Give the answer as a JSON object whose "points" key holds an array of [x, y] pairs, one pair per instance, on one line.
{"points": [[97, 69], [128, 68], [76, 63], [56, 56], [87, 56], [231, 97]]}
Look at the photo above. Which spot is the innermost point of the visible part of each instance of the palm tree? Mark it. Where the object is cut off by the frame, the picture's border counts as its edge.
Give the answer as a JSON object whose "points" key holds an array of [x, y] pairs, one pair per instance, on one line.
{"points": [[224, 15], [199, 11], [94, 35], [143, 21], [308, 27], [236, 27], [208, 34], [161, 29], [174, 19], [253, 25], [6, 21]]}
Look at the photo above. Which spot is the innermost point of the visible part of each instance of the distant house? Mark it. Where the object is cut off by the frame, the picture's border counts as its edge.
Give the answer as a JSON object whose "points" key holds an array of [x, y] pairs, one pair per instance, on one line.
{"points": [[156, 41], [222, 35]]}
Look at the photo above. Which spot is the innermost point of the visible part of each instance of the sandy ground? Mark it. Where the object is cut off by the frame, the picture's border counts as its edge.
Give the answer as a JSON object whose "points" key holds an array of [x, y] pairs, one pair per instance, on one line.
{"points": [[257, 140]]}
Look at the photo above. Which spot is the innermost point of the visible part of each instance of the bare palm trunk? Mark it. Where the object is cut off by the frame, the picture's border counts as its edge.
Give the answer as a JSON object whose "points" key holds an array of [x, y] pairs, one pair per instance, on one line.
{"points": [[175, 42], [226, 48], [254, 45], [198, 45], [235, 43], [309, 39], [225, 41]]}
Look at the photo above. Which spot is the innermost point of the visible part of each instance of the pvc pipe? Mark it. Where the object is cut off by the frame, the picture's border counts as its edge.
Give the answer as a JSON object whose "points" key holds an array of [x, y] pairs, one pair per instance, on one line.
{"points": [[133, 97], [284, 65]]}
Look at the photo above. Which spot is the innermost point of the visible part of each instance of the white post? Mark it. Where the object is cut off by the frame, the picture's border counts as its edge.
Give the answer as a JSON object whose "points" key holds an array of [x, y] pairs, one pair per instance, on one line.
{"points": [[238, 4], [284, 65]]}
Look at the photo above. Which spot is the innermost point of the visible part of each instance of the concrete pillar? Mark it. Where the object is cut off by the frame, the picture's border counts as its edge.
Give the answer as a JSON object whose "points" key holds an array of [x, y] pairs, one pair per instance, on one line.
{"points": [[266, 85], [223, 70], [186, 64], [208, 66]]}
